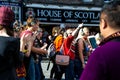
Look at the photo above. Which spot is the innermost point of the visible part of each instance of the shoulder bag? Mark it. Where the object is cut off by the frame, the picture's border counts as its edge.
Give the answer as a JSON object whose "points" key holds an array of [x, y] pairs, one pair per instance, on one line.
{"points": [[62, 59]]}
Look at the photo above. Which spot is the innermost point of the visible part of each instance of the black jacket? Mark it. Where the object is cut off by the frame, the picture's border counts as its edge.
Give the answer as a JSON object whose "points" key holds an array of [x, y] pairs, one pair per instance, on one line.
{"points": [[9, 57]]}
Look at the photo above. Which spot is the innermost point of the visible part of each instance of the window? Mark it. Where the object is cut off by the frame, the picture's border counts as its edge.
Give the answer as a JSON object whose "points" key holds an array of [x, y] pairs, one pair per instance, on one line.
{"points": [[16, 11]]}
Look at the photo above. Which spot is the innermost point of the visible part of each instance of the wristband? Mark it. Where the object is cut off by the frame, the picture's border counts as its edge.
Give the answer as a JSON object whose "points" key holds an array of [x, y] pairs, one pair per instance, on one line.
{"points": [[25, 51]]}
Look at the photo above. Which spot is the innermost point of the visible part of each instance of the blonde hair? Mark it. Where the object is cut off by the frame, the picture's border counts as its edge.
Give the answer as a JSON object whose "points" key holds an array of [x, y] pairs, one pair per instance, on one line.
{"points": [[55, 30]]}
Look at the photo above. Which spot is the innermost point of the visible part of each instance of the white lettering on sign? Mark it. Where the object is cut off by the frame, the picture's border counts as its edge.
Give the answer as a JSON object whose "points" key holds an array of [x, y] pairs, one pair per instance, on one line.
{"points": [[55, 19], [65, 15], [49, 13], [68, 14], [45, 19], [71, 20], [85, 15]]}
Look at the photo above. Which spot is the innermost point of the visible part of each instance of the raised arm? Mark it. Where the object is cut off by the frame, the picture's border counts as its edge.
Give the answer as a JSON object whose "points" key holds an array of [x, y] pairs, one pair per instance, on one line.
{"points": [[77, 29]]}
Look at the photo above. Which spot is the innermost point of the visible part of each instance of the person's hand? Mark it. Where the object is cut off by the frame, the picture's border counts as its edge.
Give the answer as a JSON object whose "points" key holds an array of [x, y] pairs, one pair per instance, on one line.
{"points": [[44, 46], [83, 65], [35, 34], [25, 51], [80, 25]]}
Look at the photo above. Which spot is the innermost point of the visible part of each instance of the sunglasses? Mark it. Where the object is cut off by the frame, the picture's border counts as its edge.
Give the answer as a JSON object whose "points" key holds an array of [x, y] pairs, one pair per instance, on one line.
{"points": [[40, 31], [31, 17]]}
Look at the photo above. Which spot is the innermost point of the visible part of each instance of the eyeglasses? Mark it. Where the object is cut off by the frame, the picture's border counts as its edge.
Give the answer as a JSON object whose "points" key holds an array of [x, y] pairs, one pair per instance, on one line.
{"points": [[30, 17]]}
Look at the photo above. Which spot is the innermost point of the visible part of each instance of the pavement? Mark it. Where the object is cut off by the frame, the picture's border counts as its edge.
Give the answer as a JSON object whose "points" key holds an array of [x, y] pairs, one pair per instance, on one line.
{"points": [[47, 72]]}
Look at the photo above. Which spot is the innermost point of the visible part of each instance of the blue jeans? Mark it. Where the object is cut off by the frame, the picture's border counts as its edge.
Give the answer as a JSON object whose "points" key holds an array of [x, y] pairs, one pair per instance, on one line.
{"points": [[37, 72], [69, 73], [78, 68], [31, 70]]}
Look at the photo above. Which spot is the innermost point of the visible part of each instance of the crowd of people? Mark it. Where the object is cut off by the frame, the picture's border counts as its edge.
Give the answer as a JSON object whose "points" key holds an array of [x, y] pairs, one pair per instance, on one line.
{"points": [[22, 48]]}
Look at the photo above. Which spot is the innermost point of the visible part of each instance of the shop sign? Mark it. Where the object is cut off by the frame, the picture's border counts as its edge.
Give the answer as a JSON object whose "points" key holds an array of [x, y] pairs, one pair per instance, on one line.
{"points": [[10, 3], [63, 15]]}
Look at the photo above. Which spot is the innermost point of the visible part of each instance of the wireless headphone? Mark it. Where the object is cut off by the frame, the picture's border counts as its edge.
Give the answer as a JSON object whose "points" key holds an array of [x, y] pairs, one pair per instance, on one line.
{"points": [[65, 34], [82, 32]]}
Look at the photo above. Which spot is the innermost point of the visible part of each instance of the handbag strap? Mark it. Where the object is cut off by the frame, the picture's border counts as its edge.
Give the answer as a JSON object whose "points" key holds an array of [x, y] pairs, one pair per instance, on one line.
{"points": [[68, 50]]}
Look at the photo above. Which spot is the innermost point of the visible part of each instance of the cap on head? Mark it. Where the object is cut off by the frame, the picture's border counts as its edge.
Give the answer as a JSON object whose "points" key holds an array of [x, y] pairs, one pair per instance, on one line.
{"points": [[6, 16]]}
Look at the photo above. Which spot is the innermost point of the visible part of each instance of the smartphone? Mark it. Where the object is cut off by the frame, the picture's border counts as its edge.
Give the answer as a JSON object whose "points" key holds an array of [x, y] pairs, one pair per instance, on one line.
{"points": [[92, 41]]}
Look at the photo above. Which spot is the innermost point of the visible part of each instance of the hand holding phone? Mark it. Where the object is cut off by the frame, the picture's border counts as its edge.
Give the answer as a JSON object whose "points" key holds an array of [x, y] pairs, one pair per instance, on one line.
{"points": [[92, 41]]}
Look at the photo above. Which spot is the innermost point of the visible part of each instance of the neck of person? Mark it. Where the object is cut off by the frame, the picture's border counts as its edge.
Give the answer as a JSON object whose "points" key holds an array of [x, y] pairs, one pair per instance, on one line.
{"points": [[110, 32], [3, 32]]}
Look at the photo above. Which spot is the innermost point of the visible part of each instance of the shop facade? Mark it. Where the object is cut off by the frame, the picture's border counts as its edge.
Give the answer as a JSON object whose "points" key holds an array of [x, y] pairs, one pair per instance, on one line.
{"points": [[16, 6], [51, 14]]}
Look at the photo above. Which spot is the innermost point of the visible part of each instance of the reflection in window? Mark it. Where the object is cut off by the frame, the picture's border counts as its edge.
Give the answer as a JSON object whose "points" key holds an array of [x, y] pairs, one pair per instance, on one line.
{"points": [[17, 16], [16, 11], [13, 8]]}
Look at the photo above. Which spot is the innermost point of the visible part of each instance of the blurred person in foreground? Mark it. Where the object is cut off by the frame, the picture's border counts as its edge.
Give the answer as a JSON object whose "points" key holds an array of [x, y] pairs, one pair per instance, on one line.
{"points": [[104, 62], [9, 49]]}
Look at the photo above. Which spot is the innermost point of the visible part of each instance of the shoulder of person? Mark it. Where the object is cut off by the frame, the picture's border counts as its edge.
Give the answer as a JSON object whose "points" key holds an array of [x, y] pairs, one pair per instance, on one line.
{"points": [[79, 40], [26, 35]]}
